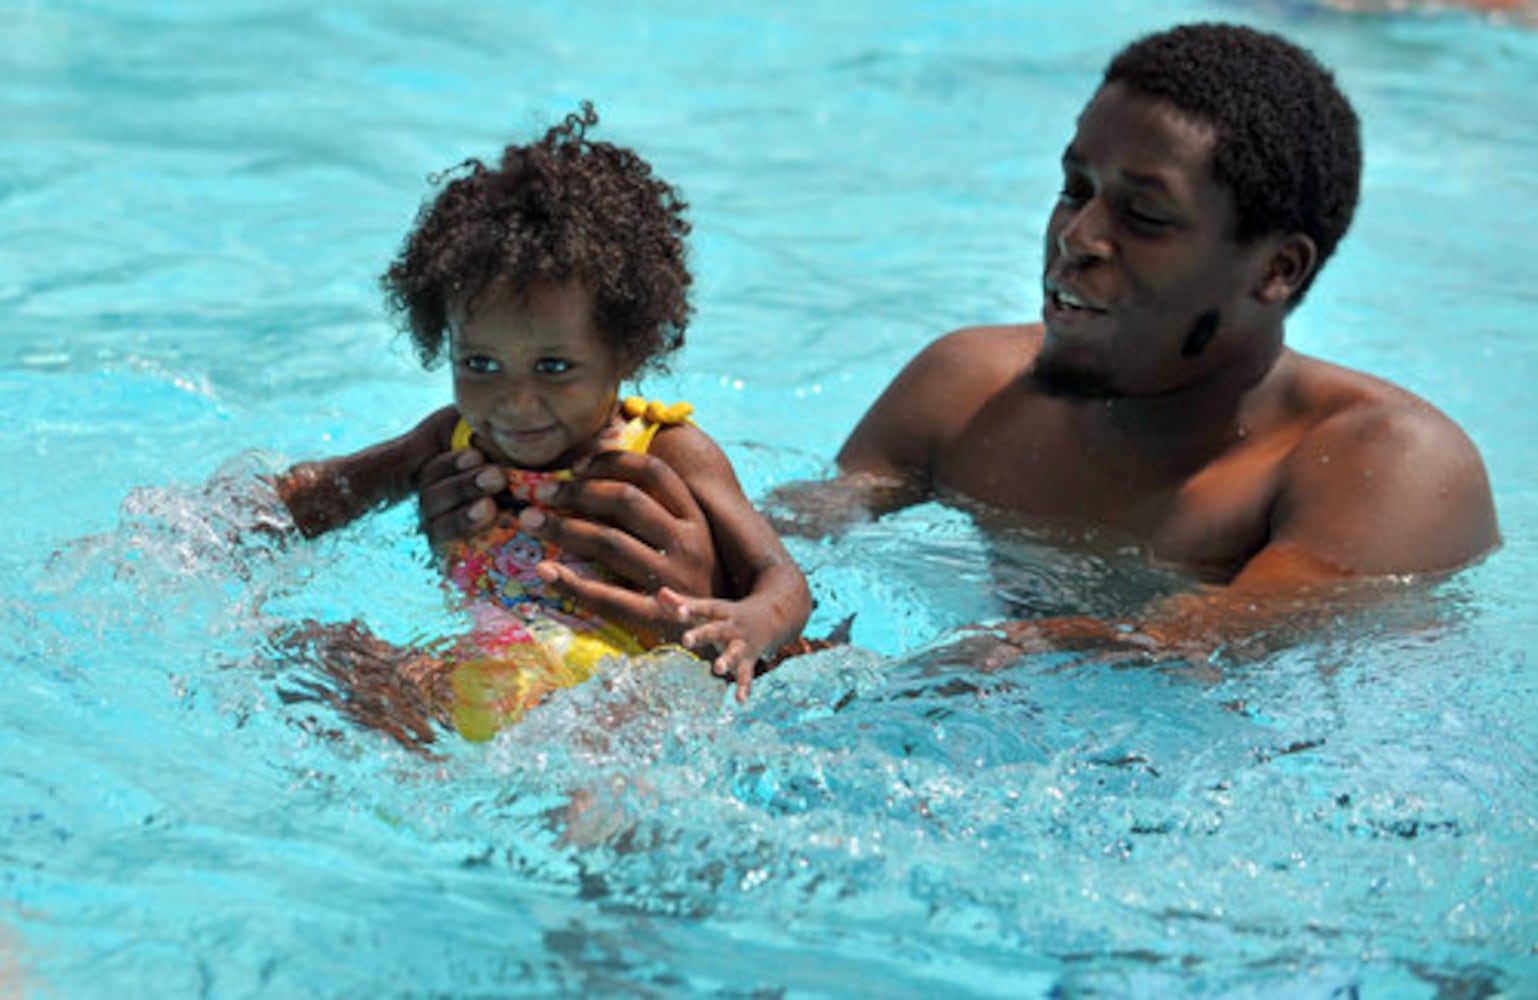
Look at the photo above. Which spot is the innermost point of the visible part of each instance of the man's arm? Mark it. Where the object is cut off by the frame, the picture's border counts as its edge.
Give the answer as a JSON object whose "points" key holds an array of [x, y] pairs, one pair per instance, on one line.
{"points": [[1374, 491], [888, 461], [1371, 494]]}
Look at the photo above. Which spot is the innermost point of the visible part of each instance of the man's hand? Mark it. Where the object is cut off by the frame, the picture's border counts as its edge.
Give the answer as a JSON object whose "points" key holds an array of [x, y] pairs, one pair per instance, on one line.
{"points": [[995, 647], [628, 512], [1239, 621], [454, 494], [815, 508], [634, 515]]}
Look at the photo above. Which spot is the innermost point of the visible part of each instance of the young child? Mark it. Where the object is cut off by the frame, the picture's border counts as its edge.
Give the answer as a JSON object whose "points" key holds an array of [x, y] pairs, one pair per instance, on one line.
{"points": [[549, 280]]}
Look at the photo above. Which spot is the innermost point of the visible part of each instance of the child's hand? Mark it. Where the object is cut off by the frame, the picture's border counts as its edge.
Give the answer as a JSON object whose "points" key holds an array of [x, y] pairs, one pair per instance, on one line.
{"points": [[730, 627]]}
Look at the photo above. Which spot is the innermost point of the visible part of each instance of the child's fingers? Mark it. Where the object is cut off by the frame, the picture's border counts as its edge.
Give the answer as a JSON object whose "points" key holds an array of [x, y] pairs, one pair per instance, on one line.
{"points": [[745, 669], [736, 660], [734, 653], [675, 604], [705, 609], [717, 633], [732, 656]]}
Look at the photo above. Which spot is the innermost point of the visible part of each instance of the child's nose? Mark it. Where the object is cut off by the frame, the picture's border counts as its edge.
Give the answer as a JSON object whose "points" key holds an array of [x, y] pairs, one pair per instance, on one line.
{"points": [[519, 396]]}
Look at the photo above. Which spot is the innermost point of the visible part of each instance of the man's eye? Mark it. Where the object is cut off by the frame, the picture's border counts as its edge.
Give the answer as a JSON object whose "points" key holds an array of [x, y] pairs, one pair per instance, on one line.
{"points": [[553, 366], [1074, 193], [1147, 218]]}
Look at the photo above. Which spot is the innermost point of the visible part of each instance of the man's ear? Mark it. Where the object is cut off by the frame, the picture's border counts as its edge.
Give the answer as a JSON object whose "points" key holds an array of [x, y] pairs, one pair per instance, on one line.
{"points": [[1291, 261]]}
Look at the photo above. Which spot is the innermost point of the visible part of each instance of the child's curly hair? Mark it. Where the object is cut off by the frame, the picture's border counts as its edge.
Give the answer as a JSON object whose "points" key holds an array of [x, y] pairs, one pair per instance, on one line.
{"points": [[560, 209]]}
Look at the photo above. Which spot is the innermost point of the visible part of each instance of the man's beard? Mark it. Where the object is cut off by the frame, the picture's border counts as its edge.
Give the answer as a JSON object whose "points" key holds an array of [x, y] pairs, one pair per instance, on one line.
{"points": [[1066, 380]]}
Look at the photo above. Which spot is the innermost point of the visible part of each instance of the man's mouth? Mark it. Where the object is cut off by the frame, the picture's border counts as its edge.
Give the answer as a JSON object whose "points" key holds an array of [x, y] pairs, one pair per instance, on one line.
{"points": [[1068, 300]]}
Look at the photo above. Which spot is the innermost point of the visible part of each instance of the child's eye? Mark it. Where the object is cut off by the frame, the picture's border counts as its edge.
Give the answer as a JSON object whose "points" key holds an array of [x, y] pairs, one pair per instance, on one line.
{"points": [[479, 364], [553, 366]]}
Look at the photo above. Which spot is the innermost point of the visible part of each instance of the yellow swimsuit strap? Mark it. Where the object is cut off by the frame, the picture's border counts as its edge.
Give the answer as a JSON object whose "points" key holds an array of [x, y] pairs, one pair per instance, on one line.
{"points": [[647, 416], [653, 415], [460, 440]]}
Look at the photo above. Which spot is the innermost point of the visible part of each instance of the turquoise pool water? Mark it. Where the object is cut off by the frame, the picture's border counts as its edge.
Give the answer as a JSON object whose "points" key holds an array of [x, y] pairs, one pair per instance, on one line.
{"points": [[194, 202]]}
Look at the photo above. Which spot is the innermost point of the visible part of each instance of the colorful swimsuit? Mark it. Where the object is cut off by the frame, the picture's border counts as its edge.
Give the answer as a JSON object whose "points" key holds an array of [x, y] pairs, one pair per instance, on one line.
{"points": [[525, 640]]}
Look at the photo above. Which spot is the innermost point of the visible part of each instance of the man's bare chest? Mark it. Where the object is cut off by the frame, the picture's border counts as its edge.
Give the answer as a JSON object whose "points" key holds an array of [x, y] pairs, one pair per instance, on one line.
{"points": [[1209, 516]]}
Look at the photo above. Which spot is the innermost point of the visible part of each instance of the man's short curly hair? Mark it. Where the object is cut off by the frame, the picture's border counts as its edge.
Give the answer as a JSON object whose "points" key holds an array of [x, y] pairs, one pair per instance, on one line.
{"points": [[1288, 142], [561, 209]]}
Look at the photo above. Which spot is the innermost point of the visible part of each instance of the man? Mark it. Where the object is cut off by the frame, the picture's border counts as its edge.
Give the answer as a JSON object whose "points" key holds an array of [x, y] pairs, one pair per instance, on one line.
{"points": [[1209, 178]]}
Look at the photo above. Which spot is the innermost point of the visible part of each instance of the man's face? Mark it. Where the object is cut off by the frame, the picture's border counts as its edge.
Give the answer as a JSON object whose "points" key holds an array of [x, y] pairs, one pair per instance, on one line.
{"points": [[1144, 284]]}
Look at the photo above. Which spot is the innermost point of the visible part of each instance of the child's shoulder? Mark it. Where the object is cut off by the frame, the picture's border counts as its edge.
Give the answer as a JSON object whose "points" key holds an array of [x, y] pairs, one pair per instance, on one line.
{"points": [[675, 438], [432, 436], [438, 429]]}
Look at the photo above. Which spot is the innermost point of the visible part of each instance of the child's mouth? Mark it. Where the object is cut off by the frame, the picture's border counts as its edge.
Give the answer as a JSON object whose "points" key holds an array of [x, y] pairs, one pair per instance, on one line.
{"points": [[524, 438]]}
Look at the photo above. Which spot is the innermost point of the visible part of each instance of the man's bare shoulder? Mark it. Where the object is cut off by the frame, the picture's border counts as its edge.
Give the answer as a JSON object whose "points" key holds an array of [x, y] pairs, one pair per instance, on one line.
{"points": [[1340, 404], [938, 393], [920, 414], [996, 353], [1375, 461]]}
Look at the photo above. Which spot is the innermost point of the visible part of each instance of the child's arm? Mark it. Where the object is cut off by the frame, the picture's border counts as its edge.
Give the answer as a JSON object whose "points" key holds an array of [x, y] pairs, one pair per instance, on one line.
{"points": [[333, 492], [776, 602]]}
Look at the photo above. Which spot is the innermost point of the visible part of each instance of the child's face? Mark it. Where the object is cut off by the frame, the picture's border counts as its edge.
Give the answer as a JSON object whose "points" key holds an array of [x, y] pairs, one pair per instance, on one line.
{"points": [[533, 375]]}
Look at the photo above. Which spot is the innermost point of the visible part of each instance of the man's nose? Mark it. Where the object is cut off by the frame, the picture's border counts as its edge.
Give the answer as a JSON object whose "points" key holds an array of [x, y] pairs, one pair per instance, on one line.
{"points": [[1085, 234]]}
